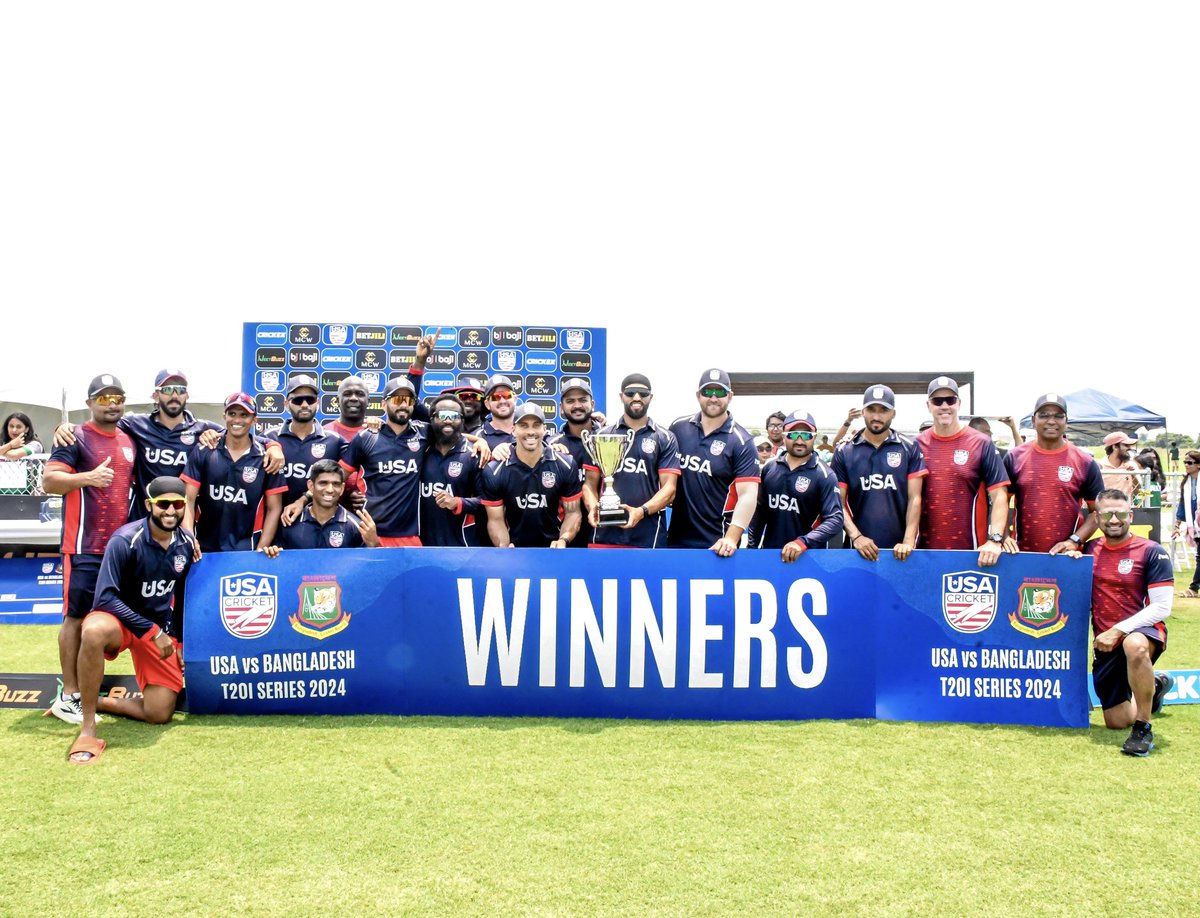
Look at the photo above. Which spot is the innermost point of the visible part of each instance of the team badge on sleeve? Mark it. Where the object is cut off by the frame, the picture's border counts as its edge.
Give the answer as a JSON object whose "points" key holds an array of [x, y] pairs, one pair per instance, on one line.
{"points": [[548, 479], [1065, 472], [961, 456], [969, 600], [250, 474], [1038, 612]]}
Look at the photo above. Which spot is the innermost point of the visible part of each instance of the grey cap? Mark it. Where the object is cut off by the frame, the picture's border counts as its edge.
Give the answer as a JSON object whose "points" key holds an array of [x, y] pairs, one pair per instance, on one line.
{"points": [[1051, 398], [528, 410], [575, 383], [103, 382], [498, 381], [941, 382], [302, 382], [397, 384]]}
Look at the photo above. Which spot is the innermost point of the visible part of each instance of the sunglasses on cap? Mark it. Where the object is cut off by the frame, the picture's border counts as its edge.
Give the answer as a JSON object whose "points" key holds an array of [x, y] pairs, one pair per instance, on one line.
{"points": [[1118, 515], [449, 415], [941, 400], [303, 399], [714, 392], [800, 435], [637, 393], [168, 503], [172, 390], [501, 395], [111, 399]]}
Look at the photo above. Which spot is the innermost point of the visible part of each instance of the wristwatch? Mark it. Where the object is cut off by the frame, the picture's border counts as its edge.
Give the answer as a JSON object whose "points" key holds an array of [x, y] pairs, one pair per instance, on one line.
{"points": [[1074, 538], [996, 537]]}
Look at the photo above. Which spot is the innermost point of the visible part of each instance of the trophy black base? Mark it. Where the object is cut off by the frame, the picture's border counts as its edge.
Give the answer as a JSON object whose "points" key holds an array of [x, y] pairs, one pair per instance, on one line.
{"points": [[616, 517]]}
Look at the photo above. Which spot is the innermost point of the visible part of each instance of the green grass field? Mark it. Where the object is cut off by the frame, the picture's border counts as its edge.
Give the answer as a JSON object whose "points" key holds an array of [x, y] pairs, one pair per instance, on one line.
{"points": [[221, 815]]}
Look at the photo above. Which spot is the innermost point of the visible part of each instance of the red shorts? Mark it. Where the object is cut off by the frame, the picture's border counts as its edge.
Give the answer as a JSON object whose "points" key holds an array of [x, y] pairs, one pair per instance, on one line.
{"points": [[399, 541], [148, 667]]}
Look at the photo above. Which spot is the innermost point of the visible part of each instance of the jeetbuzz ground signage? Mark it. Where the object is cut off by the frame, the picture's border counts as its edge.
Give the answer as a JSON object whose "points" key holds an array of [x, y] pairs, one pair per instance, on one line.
{"points": [[648, 634]]}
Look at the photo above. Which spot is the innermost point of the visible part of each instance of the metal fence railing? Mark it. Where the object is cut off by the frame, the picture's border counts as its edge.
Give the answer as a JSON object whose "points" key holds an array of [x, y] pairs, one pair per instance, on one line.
{"points": [[23, 476]]}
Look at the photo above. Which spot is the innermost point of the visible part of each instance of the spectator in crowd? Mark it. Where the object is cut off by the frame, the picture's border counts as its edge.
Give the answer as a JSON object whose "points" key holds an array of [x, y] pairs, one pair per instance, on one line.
{"points": [[825, 449], [646, 479], [881, 475], [1173, 457], [139, 608], [1117, 456], [390, 462], [799, 506], [965, 474], [1132, 581], [844, 432], [233, 501], [20, 440], [1148, 460], [1187, 515], [323, 523], [95, 474], [765, 449], [450, 473], [533, 496], [1051, 478], [774, 429], [718, 486]]}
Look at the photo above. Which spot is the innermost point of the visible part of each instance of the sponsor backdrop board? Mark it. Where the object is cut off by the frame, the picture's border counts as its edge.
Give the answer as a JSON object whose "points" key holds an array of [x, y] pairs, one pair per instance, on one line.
{"points": [[536, 358], [31, 591], [653, 634]]}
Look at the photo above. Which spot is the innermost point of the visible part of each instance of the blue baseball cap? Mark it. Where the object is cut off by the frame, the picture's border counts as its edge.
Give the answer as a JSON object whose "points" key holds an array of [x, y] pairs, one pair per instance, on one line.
{"points": [[798, 418], [879, 395], [164, 376]]}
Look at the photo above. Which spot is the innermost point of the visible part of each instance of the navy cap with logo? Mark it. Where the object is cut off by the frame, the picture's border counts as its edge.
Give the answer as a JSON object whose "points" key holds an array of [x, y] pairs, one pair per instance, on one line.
{"points": [[240, 399], [799, 419], [104, 383], [714, 377], [942, 382], [637, 380], [166, 376], [576, 383], [470, 384], [302, 382], [879, 395], [1051, 398], [528, 410], [399, 384], [498, 381]]}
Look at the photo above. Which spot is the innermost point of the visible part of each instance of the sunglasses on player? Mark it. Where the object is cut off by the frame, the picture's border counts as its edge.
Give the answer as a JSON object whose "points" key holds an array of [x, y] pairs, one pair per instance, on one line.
{"points": [[448, 416], [405, 399], [501, 395], [168, 503], [941, 400], [104, 401], [468, 396], [800, 435], [303, 399], [172, 390], [714, 392], [637, 393], [1118, 515]]}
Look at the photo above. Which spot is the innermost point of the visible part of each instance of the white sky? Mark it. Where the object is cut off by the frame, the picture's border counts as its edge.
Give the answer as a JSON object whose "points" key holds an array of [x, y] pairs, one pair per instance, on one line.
{"points": [[1010, 188]]}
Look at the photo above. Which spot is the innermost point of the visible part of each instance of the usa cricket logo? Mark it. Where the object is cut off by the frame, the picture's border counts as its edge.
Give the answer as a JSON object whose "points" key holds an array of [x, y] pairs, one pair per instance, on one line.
{"points": [[961, 456], [454, 469], [336, 538], [248, 603], [187, 438], [272, 381], [548, 479], [318, 450], [893, 459], [179, 563], [1038, 612], [1125, 565], [338, 334], [1065, 472], [802, 484], [372, 381], [969, 600], [717, 447], [506, 360], [648, 446], [320, 614], [249, 474]]}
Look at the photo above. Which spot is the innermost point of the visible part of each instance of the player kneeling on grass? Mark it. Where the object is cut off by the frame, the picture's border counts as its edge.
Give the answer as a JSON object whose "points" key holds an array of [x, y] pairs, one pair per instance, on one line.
{"points": [[324, 523], [139, 608], [1132, 586]]}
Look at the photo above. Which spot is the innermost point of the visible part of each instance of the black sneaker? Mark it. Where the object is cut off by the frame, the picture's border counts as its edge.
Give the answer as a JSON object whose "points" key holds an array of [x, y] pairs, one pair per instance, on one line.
{"points": [[1162, 684], [1141, 739]]}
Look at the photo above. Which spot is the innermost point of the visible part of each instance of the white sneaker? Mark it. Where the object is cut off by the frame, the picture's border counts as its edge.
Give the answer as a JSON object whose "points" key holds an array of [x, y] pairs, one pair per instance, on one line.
{"points": [[69, 709]]}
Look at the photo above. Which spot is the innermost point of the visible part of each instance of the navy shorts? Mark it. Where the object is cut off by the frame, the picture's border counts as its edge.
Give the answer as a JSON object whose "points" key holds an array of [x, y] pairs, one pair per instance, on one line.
{"points": [[80, 573], [1110, 673]]}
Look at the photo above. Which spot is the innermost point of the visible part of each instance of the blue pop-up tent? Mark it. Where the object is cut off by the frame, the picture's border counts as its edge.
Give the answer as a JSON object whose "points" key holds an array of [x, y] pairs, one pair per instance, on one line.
{"points": [[1092, 413]]}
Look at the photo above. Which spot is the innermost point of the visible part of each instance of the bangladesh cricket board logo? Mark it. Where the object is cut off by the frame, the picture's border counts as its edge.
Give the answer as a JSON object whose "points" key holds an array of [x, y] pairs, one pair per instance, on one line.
{"points": [[1038, 612], [969, 600], [248, 603], [321, 613]]}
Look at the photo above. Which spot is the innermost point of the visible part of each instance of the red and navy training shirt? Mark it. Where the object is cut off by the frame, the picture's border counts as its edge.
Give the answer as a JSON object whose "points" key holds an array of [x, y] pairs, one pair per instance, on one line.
{"points": [[92, 515], [1122, 576], [963, 468], [875, 480], [1049, 486], [710, 466]]}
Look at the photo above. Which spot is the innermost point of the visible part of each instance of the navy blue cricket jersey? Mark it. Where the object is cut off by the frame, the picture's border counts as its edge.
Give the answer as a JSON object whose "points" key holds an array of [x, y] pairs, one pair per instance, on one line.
{"points": [[495, 437], [299, 454], [531, 496], [574, 447], [710, 467], [141, 583], [340, 531], [391, 466], [801, 504], [161, 450], [458, 473], [875, 480], [229, 507], [654, 453]]}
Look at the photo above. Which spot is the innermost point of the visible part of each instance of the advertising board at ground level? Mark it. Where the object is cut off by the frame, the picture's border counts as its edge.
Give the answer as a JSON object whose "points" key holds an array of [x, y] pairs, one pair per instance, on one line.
{"points": [[653, 634]]}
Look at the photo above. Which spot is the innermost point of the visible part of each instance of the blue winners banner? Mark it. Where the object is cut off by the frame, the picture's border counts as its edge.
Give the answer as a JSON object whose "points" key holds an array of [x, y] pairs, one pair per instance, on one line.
{"points": [[536, 359], [31, 591], [647, 634]]}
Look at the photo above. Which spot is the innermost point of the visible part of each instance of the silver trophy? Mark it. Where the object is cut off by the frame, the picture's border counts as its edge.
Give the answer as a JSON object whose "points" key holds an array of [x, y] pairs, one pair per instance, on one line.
{"points": [[607, 450]]}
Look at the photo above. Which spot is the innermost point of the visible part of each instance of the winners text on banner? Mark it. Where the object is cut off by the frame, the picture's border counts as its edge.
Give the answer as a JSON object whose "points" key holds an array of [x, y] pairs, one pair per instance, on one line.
{"points": [[648, 634]]}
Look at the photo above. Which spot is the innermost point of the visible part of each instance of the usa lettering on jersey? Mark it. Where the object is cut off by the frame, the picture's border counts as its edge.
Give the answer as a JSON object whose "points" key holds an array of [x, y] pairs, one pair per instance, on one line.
{"points": [[163, 456], [227, 494], [157, 588], [695, 464], [397, 467], [877, 482]]}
